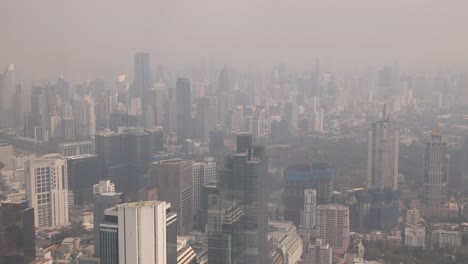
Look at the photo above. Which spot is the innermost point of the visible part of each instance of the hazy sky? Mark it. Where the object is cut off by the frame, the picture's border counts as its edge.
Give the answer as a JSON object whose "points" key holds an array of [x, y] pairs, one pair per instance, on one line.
{"points": [[91, 38]]}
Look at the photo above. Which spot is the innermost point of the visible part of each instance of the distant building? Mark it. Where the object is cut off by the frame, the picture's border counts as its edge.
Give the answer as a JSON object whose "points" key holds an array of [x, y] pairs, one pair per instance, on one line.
{"points": [[412, 216], [444, 238], [310, 205], [318, 253], [76, 148], [17, 232], [47, 190], [174, 181], [333, 226], [83, 172], [297, 178], [415, 236], [382, 154], [6, 157], [203, 173]]}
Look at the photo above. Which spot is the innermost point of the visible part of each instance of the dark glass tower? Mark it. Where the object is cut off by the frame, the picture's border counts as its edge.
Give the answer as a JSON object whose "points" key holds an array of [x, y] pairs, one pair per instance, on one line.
{"points": [[184, 108], [17, 241], [238, 216], [141, 85], [83, 172]]}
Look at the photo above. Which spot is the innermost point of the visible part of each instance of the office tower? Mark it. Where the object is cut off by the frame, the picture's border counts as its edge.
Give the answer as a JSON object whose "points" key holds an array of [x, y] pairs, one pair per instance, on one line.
{"points": [[333, 226], [156, 140], [222, 94], [22, 104], [310, 205], [62, 87], [319, 253], [297, 179], [85, 117], [111, 147], [47, 190], [6, 157], [76, 148], [436, 166], [206, 117], [83, 172], [174, 181], [104, 197], [216, 142], [39, 113], [290, 114], [382, 154], [7, 97], [183, 108], [316, 121], [279, 131], [119, 119], [17, 233], [142, 82], [237, 223], [54, 125], [137, 145], [68, 129], [159, 100], [141, 232], [203, 174]]}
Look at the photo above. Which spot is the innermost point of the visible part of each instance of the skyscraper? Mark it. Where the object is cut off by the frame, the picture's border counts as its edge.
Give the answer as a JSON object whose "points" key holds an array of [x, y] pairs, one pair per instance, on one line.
{"points": [[203, 173], [173, 179], [382, 154], [183, 108], [333, 226], [142, 82], [47, 190], [436, 166], [318, 253], [7, 97], [238, 221], [104, 197], [17, 233], [83, 172], [310, 205]]}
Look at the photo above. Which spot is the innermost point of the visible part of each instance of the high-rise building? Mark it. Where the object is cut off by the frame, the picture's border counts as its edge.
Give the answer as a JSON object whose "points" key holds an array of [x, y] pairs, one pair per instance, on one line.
{"points": [[183, 108], [238, 217], [47, 190], [111, 147], [85, 117], [297, 179], [203, 173], [206, 117], [104, 197], [310, 205], [333, 226], [319, 253], [415, 236], [17, 233], [173, 179], [382, 154], [412, 217], [142, 82], [7, 97], [6, 157], [142, 232], [76, 148], [216, 144], [84, 171], [436, 167]]}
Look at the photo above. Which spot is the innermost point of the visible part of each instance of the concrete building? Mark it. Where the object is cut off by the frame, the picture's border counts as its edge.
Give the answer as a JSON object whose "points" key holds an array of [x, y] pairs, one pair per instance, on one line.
{"points": [[444, 238], [333, 226], [436, 168], [382, 154], [297, 178], [76, 148], [183, 108], [173, 179], [47, 190], [415, 236], [6, 157], [318, 253], [284, 236], [412, 216], [310, 206]]}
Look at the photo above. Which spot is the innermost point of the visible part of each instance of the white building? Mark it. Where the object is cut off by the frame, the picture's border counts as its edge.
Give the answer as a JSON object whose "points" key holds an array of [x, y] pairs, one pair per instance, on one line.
{"points": [[47, 190], [310, 206], [318, 253], [142, 232], [415, 236], [412, 217], [203, 173], [286, 238], [444, 238], [6, 157], [104, 186]]}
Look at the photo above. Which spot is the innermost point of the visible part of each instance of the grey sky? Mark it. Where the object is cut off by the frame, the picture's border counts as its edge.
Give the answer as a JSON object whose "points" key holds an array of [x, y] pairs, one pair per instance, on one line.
{"points": [[92, 38]]}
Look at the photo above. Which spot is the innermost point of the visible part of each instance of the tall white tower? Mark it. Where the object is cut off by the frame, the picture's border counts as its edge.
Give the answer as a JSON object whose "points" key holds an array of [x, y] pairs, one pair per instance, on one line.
{"points": [[47, 190], [142, 232], [310, 206]]}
